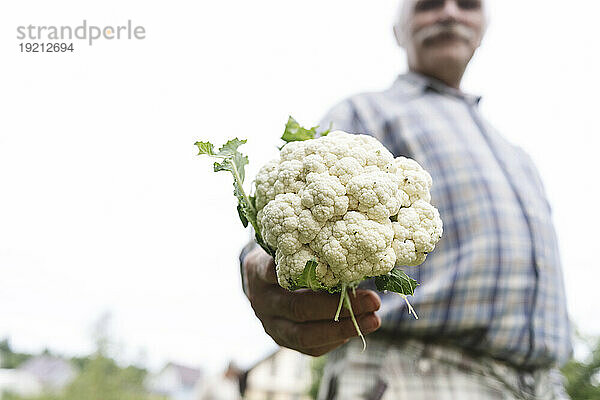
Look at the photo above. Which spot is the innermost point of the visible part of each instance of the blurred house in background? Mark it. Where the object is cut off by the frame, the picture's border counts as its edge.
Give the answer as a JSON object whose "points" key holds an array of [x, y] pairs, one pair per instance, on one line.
{"points": [[283, 375], [222, 386], [19, 382], [177, 382], [37, 375], [53, 373]]}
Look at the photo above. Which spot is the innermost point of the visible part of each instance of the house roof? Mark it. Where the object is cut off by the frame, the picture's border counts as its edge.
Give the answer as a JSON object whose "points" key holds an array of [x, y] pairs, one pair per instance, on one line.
{"points": [[188, 375], [48, 368], [243, 376], [266, 357]]}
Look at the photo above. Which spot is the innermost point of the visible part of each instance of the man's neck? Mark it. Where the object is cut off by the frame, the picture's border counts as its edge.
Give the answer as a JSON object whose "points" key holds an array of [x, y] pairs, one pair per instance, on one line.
{"points": [[449, 76]]}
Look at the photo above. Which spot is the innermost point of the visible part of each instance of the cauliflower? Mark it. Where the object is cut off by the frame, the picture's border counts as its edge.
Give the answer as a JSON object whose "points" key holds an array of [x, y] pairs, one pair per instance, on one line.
{"points": [[344, 201], [336, 210]]}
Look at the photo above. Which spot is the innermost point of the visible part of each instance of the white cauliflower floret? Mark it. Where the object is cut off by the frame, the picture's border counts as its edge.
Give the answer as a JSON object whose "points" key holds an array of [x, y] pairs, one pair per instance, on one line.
{"points": [[345, 169], [265, 183], [308, 227], [278, 178], [325, 196], [325, 275], [333, 200], [375, 193], [290, 266], [358, 247], [414, 180], [279, 221], [418, 229]]}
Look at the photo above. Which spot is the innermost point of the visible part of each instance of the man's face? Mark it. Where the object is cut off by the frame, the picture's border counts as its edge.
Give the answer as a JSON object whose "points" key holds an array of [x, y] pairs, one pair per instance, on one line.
{"points": [[442, 33]]}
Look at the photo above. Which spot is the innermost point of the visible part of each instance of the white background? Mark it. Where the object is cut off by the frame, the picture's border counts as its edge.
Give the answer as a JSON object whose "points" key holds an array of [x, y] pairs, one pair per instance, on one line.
{"points": [[104, 206]]}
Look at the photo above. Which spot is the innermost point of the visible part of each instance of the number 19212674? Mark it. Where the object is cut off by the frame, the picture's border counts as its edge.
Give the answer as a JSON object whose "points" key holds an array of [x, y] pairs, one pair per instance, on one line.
{"points": [[46, 47]]}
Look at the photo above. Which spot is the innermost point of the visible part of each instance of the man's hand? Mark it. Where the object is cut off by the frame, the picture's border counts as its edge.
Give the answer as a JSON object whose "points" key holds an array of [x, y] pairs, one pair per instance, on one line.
{"points": [[303, 320]]}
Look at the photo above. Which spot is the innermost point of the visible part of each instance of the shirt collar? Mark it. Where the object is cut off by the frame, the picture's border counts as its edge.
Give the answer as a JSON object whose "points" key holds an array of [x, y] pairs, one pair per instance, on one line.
{"points": [[418, 83]]}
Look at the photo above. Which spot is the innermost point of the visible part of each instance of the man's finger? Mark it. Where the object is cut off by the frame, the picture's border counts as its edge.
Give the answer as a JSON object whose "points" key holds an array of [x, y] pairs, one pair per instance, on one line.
{"points": [[309, 335], [319, 351], [305, 305], [262, 265]]}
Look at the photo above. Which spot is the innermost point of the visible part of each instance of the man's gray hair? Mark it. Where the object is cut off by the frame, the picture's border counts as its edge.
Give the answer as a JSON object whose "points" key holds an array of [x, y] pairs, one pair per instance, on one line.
{"points": [[401, 21], [404, 12]]}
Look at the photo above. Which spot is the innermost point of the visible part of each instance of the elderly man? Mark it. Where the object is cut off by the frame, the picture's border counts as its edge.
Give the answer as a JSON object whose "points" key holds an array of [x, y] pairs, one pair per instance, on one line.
{"points": [[493, 321]]}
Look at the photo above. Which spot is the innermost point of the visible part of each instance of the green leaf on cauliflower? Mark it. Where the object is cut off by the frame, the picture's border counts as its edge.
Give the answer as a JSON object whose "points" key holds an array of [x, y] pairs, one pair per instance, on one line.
{"points": [[205, 148], [235, 162], [308, 279], [231, 146], [294, 132], [396, 281], [242, 215]]}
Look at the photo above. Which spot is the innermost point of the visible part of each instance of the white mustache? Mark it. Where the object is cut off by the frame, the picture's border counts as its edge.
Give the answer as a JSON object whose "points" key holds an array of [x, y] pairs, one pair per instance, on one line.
{"points": [[429, 33]]}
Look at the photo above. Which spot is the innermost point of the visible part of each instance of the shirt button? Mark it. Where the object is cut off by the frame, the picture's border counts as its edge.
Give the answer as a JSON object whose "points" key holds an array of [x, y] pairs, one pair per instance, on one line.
{"points": [[424, 366], [529, 380]]}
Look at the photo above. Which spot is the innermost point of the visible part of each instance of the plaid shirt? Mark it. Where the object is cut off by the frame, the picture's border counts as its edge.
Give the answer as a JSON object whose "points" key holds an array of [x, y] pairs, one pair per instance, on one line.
{"points": [[412, 369], [494, 283]]}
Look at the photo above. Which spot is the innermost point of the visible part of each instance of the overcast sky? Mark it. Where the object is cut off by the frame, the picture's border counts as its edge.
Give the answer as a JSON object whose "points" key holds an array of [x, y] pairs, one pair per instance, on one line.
{"points": [[105, 208]]}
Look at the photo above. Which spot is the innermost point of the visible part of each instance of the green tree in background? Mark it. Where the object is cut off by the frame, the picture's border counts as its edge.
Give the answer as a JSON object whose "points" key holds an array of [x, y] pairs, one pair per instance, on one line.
{"points": [[10, 359], [583, 381], [103, 379], [317, 365], [100, 377]]}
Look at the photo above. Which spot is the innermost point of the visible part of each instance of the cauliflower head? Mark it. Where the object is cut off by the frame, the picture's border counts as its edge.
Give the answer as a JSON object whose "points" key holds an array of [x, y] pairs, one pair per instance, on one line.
{"points": [[345, 202]]}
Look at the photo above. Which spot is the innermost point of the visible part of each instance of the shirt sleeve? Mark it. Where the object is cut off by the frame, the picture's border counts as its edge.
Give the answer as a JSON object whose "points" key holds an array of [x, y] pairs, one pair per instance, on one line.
{"points": [[534, 175]]}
